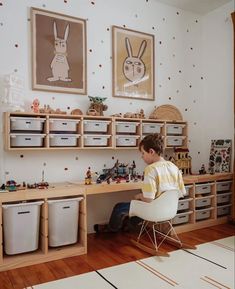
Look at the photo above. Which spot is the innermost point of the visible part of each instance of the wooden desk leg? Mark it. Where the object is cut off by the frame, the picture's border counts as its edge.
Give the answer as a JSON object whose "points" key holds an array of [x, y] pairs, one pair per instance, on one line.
{"points": [[44, 227]]}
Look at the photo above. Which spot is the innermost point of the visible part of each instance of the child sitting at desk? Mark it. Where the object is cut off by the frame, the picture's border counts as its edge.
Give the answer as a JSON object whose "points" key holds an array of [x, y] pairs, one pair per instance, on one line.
{"points": [[159, 176]]}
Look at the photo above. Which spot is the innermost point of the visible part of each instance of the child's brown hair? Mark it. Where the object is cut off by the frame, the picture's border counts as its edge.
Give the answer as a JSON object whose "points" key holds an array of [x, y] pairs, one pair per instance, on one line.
{"points": [[152, 141]]}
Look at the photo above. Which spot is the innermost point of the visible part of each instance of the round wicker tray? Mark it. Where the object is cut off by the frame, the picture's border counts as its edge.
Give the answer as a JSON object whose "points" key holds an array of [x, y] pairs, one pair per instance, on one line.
{"points": [[166, 112]]}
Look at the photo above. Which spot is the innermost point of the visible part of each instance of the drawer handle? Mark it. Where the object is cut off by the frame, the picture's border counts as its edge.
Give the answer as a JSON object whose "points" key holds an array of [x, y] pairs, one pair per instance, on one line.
{"points": [[64, 138], [64, 123], [127, 139], [180, 217], [224, 185], [175, 127], [97, 124], [203, 213], [97, 138], [66, 207], [127, 126], [176, 139], [204, 188], [25, 212], [27, 138], [204, 201], [152, 126], [28, 122]]}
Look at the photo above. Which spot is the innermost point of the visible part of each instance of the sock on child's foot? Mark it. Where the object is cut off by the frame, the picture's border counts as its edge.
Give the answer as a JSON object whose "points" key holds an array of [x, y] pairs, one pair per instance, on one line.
{"points": [[101, 228]]}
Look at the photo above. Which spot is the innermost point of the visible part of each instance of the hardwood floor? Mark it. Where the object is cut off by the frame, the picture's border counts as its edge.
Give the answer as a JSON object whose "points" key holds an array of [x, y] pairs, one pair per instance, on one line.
{"points": [[104, 250]]}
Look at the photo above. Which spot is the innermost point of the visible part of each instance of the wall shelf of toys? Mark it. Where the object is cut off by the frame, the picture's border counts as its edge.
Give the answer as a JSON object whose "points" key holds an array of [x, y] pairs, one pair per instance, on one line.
{"points": [[46, 131]]}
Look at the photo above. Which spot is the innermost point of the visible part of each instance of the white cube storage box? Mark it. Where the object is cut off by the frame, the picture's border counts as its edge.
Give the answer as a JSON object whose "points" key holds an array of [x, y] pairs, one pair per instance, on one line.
{"points": [[63, 217], [174, 129], [149, 127], [63, 125], [95, 126], [27, 140], [64, 140], [126, 140], [21, 227], [96, 140], [29, 124], [126, 127], [174, 140]]}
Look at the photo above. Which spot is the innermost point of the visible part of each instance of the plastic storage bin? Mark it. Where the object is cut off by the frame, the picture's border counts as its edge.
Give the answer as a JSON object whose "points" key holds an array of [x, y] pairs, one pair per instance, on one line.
{"points": [[126, 127], [63, 221], [126, 140], [31, 124], [59, 125], [21, 227], [174, 129], [27, 140], [151, 127], [100, 126], [64, 140], [96, 140]]}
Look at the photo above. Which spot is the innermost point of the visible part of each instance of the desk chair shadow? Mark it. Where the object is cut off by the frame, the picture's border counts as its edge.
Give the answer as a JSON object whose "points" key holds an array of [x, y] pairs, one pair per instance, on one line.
{"points": [[157, 217]]}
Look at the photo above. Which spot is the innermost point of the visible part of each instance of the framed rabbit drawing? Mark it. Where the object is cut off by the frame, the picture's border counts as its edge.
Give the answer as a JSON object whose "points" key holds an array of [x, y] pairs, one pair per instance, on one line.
{"points": [[58, 52], [133, 64]]}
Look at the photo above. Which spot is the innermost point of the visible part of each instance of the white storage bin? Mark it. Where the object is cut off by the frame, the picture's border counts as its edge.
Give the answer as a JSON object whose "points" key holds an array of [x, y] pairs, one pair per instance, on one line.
{"points": [[174, 129], [126, 127], [63, 125], [63, 140], [32, 124], [187, 189], [96, 126], [203, 202], [223, 186], [96, 140], [151, 127], [203, 189], [174, 140], [223, 210], [181, 218], [63, 217], [126, 140], [203, 214], [21, 227], [224, 198], [26, 140], [183, 204]]}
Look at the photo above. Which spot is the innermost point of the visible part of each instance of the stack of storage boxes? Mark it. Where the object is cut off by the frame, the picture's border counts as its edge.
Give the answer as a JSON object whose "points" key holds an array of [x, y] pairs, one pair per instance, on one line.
{"points": [[224, 196]]}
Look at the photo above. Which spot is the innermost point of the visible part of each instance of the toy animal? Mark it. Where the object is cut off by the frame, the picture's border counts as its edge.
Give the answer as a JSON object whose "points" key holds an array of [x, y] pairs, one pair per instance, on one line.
{"points": [[59, 64], [35, 105]]}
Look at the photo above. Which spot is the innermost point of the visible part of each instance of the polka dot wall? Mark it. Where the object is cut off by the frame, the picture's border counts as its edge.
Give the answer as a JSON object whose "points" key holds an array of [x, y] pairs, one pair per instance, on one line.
{"points": [[181, 76]]}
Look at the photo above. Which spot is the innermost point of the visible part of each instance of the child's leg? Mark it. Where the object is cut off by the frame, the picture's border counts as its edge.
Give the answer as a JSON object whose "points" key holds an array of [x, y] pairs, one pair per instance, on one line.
{"points": [[120, 211]]}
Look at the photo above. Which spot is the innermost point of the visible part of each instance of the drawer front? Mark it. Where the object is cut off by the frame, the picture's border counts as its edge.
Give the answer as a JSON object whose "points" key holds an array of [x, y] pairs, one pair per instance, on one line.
{"points": [[174, 129], [26, 124], [126, 141], [183, 205], [221, 199], [203, 189], [223, 211], [187, 189], [151, 128], [203, 203], [126, 127], [26, 140], [96, 140], [63, 140], [203, 215], [180, 219], [63, 125], [223, 186], [95, 126], [174, 141]]}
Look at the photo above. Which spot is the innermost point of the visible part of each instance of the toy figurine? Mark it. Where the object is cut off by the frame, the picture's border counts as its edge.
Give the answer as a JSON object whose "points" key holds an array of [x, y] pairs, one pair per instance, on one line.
{"points": [[88, 178], [97, 105], [35, 105], [202, 171]]}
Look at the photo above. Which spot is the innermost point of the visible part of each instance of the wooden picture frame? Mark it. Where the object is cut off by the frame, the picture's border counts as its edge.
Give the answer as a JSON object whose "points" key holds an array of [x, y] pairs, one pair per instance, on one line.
{"points": [[59, 60], [133, 64]]}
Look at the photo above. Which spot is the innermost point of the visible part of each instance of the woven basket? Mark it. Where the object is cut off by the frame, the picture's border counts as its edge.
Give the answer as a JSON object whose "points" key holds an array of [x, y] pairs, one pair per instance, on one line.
{"points": [[166, 112]]}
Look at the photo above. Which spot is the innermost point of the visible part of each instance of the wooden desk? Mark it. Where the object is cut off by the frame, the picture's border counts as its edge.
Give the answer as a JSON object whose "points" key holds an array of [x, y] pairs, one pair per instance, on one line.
{"points": [[46, 253]]}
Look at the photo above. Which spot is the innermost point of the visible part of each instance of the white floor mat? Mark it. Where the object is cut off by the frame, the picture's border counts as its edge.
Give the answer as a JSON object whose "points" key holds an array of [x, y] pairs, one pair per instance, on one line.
{"points": [[211, 265]]}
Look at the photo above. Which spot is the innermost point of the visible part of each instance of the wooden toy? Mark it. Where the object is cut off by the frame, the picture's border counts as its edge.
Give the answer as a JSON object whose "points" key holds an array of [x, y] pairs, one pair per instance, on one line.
{"points": [[76, 111], [88, 178], [182, 160]]}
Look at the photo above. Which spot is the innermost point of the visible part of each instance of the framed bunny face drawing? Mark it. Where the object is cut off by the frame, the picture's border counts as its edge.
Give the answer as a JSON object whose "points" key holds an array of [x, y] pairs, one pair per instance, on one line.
{"points": [[58, 52], [133, 64]]}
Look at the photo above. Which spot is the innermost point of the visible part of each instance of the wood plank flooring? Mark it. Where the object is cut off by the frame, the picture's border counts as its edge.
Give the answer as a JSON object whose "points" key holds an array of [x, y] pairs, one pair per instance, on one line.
{"points": [[104, 250]]}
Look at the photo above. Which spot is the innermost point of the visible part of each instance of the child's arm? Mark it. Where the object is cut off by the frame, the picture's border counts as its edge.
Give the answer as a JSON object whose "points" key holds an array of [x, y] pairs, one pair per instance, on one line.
{"points": [[140, 197]]}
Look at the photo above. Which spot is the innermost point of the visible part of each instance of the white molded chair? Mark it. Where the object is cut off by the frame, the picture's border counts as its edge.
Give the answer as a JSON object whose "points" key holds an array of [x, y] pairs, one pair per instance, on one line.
{"points": [[160, 211]]}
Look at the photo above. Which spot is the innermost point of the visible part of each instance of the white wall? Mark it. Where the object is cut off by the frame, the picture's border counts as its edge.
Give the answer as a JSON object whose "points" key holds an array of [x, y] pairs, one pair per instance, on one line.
{"points": [[199, 47]]}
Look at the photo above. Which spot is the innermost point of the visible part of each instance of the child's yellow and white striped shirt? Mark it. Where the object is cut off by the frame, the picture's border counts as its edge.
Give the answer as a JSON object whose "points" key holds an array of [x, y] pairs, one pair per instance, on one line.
{"points": [[160, 177]]}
